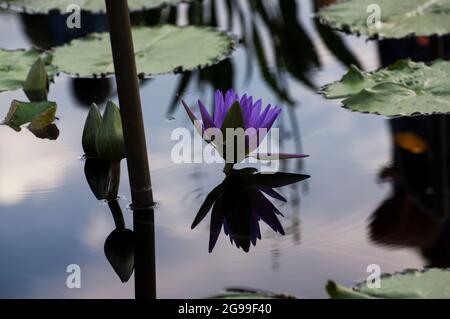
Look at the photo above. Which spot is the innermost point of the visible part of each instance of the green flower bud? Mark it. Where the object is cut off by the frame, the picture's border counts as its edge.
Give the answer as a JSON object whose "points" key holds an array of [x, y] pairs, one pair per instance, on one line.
{"points": [[91, 127], [36, 84], [109, 141]]}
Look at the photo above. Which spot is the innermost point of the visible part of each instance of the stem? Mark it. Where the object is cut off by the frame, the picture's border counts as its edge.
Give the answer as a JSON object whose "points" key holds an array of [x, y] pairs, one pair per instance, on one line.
{"points": [[228, 168], [130, 102], [136, 147], [117, 214]]}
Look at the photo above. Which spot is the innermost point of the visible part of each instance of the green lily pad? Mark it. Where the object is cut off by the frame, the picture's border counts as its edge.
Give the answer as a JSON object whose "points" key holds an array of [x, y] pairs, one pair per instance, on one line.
{"points": [[246, 293], [403, 89], [398, 18], [159, 50], [38, 114], [432, 283], [94, 6], [15, 65]]}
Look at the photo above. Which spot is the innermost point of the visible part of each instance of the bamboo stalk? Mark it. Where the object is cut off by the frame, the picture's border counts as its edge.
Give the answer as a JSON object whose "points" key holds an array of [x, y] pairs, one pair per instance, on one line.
{"points": [[135, 145]]}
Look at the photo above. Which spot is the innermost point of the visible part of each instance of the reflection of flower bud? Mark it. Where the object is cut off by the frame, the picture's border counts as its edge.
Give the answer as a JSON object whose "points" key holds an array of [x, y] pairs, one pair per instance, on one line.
{"points": [[109, 141], [35, 86], [91, 128], [119, 250], [103, 178]]}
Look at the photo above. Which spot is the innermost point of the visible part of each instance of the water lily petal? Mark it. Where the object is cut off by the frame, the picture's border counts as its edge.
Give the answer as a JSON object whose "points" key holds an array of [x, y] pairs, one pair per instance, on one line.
{"points": [[189, 112], [256, 111], [217, 218], [206, 118], [267, 211], [193, 118], [271, 117], [254, 228], [219, 107], [207, 204], [262, 117], [230, 98], [247, 111], [274, 194]]}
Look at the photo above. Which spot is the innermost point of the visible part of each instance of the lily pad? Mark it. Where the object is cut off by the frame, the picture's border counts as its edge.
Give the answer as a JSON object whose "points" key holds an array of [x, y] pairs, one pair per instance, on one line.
{"points": [[249, 293], [38, 114], [432, 283], [405, 88], [94, 6], [159, 50], [15, 66], [398, 18]]}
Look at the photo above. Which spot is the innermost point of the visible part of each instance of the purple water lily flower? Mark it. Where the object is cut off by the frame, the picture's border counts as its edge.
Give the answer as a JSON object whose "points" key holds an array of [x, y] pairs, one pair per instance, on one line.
{"points": [[249, 114], [240, 203]]}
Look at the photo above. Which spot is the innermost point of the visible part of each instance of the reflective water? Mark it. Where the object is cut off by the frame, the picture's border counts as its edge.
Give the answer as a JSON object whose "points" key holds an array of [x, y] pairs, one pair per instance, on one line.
{"points": [[50, 219]]}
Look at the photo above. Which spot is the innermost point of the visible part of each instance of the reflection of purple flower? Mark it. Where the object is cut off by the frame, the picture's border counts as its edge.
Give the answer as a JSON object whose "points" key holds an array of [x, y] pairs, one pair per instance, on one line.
{"points": [[239, 204], [253, 116]]}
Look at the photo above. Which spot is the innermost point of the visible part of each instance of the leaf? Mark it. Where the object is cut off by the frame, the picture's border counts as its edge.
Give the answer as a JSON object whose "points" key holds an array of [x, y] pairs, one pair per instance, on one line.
{"points": [[336, 291], [15, 66], [50, 132], [248, 293], [432, 283], [159, 50], [398, 20], [40, 114], [232, 144], [405, 88], [94, 6], [234, 118]]}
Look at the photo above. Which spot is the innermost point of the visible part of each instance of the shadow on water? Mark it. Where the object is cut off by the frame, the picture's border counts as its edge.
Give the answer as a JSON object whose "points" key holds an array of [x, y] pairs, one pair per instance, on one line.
{"points": [[415, 215], [88, 91], [412, 216]]}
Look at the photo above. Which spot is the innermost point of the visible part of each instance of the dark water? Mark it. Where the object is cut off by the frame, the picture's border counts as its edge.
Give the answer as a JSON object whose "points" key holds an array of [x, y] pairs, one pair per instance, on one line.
{"points": [[50, 218]]}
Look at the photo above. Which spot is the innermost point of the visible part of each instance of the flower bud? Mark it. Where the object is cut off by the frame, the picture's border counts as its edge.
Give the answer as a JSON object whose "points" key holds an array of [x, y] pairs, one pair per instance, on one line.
{"points": [[36, 84], [91, 128], [109, 141]]}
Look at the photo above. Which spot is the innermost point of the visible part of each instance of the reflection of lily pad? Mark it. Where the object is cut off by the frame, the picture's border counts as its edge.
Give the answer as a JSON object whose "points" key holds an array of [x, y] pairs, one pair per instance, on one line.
{"points": [[15, 65], [405, 88], [45, 6], [398, 18], [39, 114], [159, 50], [430, 283]]}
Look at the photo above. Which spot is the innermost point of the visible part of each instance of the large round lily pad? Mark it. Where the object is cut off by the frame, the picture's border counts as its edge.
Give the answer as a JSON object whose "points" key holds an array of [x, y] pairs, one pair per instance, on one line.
{"points": [[94, 6], [398, 18], [403, 89], [15, 65], [432, 283], [426, 284], [159, 50]]}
